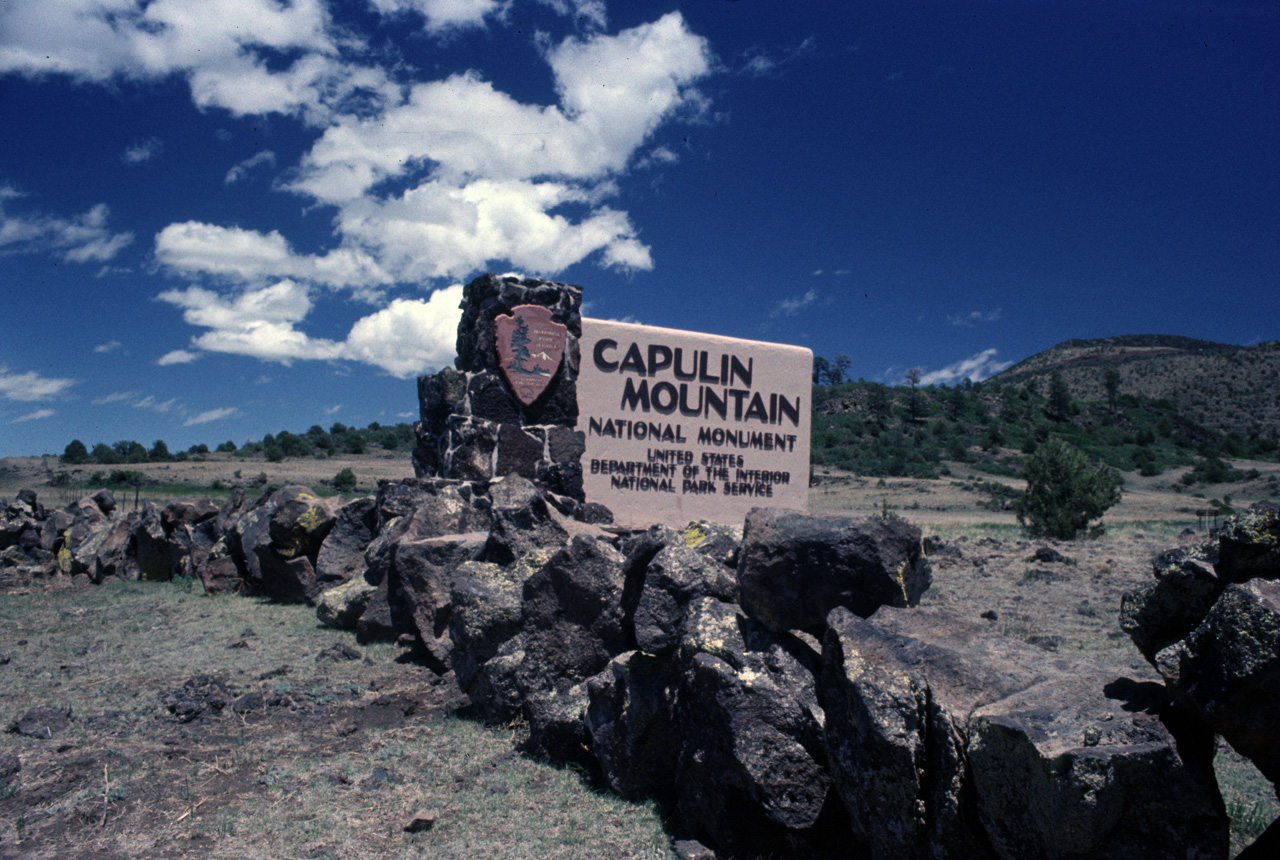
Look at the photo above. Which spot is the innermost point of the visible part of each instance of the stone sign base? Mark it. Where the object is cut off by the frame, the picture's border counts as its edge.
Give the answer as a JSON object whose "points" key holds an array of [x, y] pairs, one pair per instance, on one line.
{"points": [[474, 426]]}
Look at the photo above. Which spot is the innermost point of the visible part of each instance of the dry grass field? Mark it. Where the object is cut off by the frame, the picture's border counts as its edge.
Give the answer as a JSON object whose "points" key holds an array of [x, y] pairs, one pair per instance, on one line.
{"points": [[316, 754]]}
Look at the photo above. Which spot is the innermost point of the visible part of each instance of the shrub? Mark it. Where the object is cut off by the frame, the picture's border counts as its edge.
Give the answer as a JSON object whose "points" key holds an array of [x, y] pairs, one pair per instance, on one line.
{"points": [[344, 481], [1065, 492]]}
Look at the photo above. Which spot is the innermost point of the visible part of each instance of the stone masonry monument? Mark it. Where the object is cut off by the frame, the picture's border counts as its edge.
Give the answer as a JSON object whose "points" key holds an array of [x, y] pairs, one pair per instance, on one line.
{"points": [[645, 424]]}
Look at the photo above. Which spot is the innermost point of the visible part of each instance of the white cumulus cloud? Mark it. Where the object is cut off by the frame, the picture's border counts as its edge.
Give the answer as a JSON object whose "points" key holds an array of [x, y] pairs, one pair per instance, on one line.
{"points": [[441, 15], [193, 248], [409, 336], [221, 47], [406, 338]]}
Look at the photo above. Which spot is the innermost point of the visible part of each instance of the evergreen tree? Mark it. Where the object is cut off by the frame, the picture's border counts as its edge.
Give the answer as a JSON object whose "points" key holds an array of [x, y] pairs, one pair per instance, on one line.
{"points": [[912, 376], [821, 370], [1065, 492], [1111, 380], [520, 345], [1059, 405], [839, 369], [878, 402]]}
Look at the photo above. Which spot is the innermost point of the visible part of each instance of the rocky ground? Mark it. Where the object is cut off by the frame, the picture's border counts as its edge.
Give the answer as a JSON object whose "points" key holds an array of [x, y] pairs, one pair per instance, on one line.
{"points": [[149, 720]]}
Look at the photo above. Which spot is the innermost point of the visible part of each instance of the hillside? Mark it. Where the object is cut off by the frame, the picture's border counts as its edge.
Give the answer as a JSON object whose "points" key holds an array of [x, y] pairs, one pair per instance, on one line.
{"points": [[1221, 387], [1183, 408]]}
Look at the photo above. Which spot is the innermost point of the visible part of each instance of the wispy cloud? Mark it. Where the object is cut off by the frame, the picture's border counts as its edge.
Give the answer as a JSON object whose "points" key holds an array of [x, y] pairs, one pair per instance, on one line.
{"points": [[334, 409], [34, 416], [143, 150], [109, 346], [114, 397], [30, 386], [792, 306], [973, 318], [149, 402], [241, 170], [211, 415], [178, 356], [760, 62], [976, 368], [79, 239]]}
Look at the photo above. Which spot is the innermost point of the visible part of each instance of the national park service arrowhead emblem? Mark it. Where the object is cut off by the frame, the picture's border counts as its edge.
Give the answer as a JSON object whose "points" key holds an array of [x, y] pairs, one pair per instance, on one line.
{"points": [[530, 346]]}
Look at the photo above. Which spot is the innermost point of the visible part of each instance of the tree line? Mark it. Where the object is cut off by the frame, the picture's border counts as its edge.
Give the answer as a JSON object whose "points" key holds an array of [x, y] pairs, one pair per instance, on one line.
{"points": [[316, 442]]}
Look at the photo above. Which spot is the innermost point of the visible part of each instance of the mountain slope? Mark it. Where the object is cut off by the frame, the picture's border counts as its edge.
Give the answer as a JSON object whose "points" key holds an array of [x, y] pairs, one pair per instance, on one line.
{"points": [[1219, 386]]}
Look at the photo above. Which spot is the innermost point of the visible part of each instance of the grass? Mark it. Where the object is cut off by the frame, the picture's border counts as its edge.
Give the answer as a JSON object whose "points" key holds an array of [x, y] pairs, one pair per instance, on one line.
{"points": [[1251, 803], [317, 775]]}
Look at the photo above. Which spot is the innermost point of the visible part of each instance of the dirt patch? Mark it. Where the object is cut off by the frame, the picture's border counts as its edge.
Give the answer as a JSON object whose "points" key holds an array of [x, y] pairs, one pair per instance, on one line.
{"points": [[211, 746]]}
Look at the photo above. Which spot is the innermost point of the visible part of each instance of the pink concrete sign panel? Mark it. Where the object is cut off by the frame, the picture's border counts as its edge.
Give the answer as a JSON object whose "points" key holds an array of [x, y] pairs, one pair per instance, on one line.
{"points": [[682, 426], [530, 346]]}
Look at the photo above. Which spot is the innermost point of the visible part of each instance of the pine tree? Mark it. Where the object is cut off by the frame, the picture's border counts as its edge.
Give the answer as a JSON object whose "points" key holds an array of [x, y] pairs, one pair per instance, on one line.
{"points": [[1065, 492], [520, 345], [1059, 406]]}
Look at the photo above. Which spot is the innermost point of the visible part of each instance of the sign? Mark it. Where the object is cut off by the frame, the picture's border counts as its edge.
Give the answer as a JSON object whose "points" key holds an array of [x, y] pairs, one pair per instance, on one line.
{"points": [[682, 426], [530, 346]]}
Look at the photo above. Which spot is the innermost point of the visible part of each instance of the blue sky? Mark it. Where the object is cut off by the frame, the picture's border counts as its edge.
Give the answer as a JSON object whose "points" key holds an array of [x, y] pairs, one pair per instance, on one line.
{"points": [[226, 218]]}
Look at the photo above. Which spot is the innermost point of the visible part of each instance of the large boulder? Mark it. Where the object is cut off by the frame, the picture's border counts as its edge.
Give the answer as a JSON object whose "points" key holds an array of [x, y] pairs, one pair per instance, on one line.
{"points": [[177, 514], [486, 612], [299, 522], [1210, 624], [424, 569], [1249, 544], [247, 528], [1081, 765], [452, 507], [631, 722], [116, 556], [486, 626], [573, 623], [1227, 671], [341, 606], [433, 509], [1162, 612], [795, 568], [151, 546], [218, 571], [341, 556], [573, 615], [382, 617], [675, 576], [949, 740], [751, 772], [522, 521]]}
